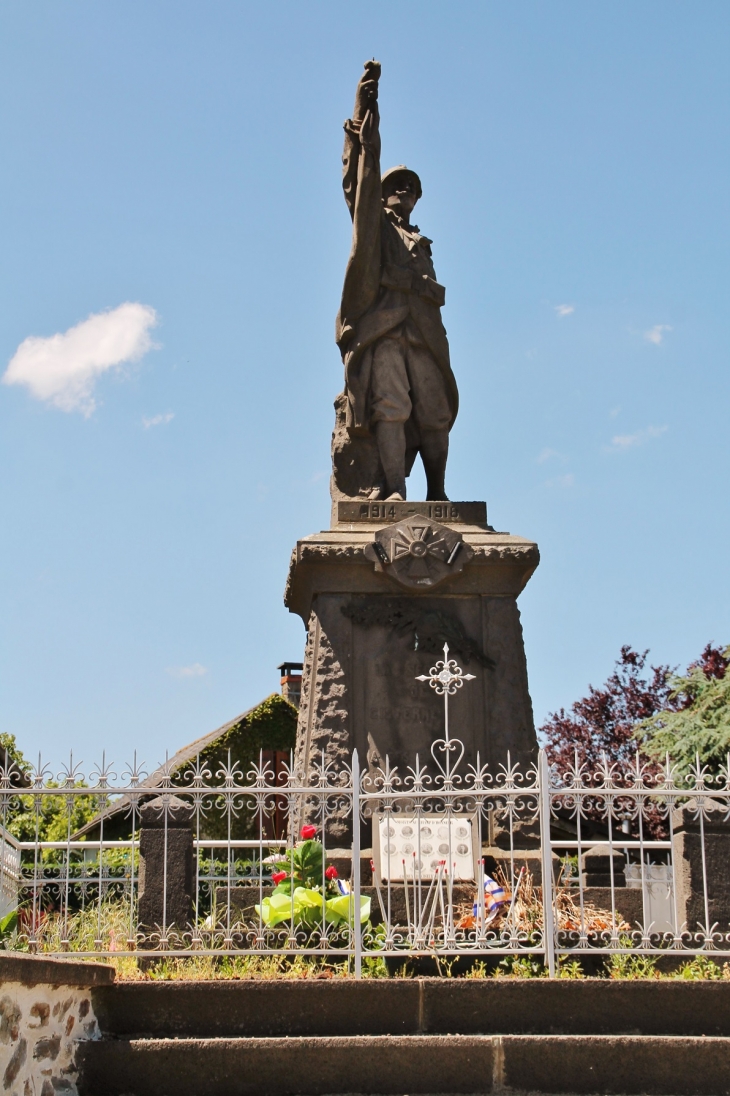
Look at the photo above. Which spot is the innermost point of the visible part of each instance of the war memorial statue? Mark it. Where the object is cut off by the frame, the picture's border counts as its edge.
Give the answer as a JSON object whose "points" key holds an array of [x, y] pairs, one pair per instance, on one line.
{"points": [[399, 386], [391, 581]]}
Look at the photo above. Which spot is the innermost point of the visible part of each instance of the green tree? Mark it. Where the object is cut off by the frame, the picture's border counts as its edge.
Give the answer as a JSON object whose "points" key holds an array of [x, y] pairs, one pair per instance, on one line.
{"points": [[700, 723], [54, 817], [48, 815], [11, 758]]}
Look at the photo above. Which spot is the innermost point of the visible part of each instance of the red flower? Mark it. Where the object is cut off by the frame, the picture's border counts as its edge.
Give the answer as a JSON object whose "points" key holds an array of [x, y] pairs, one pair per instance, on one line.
{"points": [[278, 876], [308, 832], [331, 872]]}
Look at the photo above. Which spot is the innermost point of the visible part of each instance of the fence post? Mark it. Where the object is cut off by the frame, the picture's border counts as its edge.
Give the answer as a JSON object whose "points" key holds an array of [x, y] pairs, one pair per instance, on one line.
{"points": [[356, 928], [167, 872], [547, 863]]}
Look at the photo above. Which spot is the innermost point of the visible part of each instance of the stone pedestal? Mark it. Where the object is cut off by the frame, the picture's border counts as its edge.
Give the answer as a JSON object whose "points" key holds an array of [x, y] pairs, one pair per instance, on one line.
{"points": [[690, 874], [242, 901], [380, 593], [596, 867], [627, 902], [166, 868]]}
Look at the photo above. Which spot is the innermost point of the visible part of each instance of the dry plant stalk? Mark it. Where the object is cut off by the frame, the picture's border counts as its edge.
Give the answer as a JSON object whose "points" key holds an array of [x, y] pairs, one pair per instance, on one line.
{"points": [[523, 912]]}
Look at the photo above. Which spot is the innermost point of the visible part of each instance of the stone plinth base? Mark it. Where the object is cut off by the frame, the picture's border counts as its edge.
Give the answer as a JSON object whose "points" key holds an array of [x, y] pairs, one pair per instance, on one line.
{"points": [[379, 602]]}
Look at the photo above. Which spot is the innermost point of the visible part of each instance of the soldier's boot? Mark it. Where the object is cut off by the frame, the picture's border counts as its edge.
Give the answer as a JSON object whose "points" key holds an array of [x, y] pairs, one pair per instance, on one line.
{"points": [[391, 439], [434, 454]]}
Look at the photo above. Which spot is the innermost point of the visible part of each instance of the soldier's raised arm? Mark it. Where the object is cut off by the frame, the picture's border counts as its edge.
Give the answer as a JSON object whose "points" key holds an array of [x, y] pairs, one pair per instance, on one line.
{"points": [[362, 131]]}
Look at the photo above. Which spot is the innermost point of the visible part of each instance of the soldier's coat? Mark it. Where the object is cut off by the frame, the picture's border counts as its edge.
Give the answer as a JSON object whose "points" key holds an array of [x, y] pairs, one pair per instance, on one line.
{"points": [[390, 279]]}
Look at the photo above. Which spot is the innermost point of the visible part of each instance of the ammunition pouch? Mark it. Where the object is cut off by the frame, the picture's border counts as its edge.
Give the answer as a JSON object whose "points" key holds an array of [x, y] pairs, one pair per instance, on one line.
{"points": [[430, 290], [404, 280]]}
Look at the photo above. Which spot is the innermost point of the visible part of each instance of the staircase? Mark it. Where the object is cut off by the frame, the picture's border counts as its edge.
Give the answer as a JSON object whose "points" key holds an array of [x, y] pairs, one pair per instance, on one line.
{"points": [[240, 1038]]}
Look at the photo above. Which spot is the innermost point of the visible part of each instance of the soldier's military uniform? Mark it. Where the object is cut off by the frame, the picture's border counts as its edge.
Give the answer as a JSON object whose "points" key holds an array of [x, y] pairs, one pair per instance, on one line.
{"points": [[389, 327]]}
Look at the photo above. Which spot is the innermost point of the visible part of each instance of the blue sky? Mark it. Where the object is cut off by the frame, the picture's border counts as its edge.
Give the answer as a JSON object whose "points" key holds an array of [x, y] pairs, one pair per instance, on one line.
{"points": [[186, 157]]}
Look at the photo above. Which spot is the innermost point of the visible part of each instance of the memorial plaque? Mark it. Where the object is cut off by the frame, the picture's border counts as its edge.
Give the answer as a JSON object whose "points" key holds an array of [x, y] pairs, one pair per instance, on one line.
{"points": [[384, 513], [414, 847]]}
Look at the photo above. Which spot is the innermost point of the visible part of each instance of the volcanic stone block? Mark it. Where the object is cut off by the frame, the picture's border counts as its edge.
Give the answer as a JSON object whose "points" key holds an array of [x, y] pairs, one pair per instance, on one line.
{"points": [[242, 900], [502, 866], [627, 902], [167, 866], [689, 875], [596, 867], [402, 910]]}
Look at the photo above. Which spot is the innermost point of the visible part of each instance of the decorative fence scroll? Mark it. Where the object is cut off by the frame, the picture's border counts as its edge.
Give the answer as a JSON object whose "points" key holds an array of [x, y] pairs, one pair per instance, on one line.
{"points": [[653, 843], [444, 860]]}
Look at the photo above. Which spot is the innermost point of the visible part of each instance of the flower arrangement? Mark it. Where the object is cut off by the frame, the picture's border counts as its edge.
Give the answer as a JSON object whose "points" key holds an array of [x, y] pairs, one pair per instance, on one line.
{"points": [[306, 892]]}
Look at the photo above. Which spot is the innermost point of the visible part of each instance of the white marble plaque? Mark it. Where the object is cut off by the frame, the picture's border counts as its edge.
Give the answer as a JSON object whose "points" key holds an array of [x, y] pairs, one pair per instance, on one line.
{"points": [[409, 848]]}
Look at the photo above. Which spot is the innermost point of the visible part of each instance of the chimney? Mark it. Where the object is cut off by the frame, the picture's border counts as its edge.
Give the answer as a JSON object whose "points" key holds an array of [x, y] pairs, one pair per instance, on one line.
{"points": [[291, 681]]}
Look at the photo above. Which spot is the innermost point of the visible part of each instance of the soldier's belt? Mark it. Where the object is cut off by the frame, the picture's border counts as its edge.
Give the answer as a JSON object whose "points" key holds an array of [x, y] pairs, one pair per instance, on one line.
{"points": [[407, 281]]}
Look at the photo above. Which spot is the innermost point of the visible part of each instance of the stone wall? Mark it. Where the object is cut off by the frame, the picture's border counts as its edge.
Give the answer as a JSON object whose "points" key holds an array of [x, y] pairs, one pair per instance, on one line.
{"points": [[45, 1011]]}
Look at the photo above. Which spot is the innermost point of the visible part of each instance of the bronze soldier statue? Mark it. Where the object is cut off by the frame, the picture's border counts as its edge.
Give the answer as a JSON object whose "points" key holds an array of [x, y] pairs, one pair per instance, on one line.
{"points": [[399, 387]]}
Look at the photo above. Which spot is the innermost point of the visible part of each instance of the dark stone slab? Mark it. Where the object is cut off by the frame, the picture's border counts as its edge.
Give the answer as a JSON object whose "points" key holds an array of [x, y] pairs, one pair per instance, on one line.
{"points": [[384, 513], [242, 899], [499, 863], [587, 1006], [31, 970], [628, 901], [632, 1065], [401, 913], [628, 1064], [219, 1009], [404, 1006], [252, 1067], [597, 864]]}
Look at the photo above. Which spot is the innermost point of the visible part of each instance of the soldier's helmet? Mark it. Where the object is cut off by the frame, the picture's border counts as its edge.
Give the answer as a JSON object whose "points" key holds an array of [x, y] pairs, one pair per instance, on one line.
{"points": [[401, 169]]}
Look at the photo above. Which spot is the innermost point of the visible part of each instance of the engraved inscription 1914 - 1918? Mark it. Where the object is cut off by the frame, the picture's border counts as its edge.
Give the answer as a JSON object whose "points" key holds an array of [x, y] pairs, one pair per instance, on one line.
{"points": [[458, 513]]}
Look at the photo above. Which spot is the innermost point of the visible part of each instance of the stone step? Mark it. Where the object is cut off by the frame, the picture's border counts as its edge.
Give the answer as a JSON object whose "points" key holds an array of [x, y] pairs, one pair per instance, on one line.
{"points": [[412, 1006], [555, 1064]]}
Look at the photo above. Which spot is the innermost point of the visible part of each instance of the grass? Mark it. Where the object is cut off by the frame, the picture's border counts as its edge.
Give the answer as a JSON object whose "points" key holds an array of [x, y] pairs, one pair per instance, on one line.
{"points": [[106, 929]]}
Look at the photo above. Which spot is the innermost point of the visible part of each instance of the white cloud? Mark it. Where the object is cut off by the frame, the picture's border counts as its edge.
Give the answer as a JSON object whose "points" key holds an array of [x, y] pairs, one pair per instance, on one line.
{"points": [[621, 442], [547, 454], [568, 480], [196, 670], [158, 420], [63, 368], [563, 310], [655, 334]]}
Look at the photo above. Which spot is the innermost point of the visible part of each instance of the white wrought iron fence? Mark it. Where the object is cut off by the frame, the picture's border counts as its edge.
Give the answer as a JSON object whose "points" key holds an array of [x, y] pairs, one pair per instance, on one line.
{"points": [[652, 846], [9, 873], [441, 860]]}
